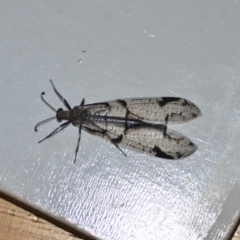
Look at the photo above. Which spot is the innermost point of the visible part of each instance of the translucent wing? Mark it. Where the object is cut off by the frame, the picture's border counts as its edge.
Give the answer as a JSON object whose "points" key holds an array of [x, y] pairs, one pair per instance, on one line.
{"points": [[153, 139], [133, 123], [158, 110]]}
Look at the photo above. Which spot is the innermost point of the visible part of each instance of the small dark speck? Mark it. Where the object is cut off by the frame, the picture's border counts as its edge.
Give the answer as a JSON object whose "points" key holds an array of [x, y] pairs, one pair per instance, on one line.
{"points": [[83, 51], [122, 102]]}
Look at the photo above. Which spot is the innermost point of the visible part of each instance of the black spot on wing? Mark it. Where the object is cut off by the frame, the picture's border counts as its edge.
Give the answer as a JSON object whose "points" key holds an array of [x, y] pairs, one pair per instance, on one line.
{"points": [[122, 102], [191, 144], [117, 140], [166, 100], [106, 104], [166, 119], [161, 154], [185, 102]]}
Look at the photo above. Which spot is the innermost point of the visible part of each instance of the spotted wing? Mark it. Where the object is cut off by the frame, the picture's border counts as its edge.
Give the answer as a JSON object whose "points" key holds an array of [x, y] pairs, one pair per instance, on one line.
{"points": [[158, 110], [152, 139]]}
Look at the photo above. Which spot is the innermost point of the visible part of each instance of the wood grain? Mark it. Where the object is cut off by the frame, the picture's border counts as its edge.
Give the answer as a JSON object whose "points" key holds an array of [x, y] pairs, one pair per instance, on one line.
{"points": [[17, 223], [237, 234]]}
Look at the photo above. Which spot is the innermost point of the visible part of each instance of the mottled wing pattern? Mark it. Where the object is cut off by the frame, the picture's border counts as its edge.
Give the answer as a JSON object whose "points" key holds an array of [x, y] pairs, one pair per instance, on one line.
{"points": [[162, 143], [153, 139], [159, 110], [135, 123]]}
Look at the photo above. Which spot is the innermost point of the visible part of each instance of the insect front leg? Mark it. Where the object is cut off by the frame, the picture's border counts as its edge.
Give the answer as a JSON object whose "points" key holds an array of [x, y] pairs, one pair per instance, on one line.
{"points": [[61, 97], [57, 130], [78, 143]]}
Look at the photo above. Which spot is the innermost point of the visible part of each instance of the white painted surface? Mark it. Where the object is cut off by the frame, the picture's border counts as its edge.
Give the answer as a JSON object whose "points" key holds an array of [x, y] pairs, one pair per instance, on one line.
{"points": [[139, 48]]}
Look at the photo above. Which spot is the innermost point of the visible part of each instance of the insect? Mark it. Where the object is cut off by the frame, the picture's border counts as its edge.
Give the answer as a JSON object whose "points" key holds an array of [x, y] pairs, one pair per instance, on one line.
{"points": [[139, 124]]}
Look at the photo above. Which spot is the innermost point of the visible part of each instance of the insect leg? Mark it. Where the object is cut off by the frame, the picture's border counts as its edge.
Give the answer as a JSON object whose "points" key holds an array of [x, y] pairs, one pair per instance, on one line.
{"points": [[79, 133], [57, 130], [60, 97], [79, 137], [82, 103], [115, 141], [103, 133]]}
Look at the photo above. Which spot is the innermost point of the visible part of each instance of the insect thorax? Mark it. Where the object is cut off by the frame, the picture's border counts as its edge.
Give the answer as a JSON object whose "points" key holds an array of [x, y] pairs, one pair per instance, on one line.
{"points": [[79, 115]]}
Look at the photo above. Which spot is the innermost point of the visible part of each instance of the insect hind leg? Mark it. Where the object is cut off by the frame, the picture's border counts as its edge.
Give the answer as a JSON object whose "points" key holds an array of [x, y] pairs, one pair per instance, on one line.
{"points": [[103, 133]]}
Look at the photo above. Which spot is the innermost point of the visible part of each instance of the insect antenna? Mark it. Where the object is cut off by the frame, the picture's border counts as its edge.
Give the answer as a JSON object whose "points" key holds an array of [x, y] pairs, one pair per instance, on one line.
{"points": [[43, 122], [60, 97], [43, 93], [49, 119]]}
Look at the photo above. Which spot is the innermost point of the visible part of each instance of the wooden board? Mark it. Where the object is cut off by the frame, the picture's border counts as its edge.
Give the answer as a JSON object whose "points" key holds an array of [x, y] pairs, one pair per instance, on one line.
{"points": [[15, 221]]}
